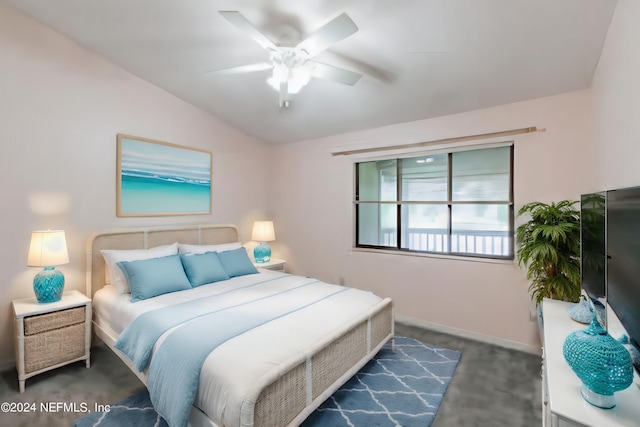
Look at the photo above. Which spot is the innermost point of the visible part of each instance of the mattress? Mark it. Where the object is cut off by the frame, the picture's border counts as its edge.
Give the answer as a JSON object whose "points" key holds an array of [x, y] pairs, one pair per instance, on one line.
{"points": [[315, 346]]}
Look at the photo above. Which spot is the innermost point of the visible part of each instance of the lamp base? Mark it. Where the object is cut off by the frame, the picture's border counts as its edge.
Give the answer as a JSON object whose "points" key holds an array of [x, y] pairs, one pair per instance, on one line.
{"points": [[262, 253], [597, 399], [48, 285]]}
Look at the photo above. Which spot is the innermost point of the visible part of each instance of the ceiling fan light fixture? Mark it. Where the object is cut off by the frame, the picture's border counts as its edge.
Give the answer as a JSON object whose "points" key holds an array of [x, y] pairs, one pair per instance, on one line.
{"points": [[293, 67], [296, 77], [281, 72]]}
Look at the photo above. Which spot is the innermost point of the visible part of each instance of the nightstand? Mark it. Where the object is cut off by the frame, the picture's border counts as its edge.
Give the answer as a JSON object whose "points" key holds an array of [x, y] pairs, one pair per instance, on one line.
{"points": [[274, 264], [50, 335]]}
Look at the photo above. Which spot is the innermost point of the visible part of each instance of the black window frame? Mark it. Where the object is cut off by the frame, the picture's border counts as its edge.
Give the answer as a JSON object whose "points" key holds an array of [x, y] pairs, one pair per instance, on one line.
{"points": [[449, 203]]}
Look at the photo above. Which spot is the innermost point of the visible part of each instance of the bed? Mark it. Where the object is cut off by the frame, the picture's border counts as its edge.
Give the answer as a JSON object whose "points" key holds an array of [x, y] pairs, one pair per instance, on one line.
{"points": [[274, 374]]}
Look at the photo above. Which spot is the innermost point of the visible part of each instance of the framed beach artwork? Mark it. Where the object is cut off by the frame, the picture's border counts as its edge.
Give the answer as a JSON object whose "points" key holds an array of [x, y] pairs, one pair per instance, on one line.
{"points": [[157, 178]]}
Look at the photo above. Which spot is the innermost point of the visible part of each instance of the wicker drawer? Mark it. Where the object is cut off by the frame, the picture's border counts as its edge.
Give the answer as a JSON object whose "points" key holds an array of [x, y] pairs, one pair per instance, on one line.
{"points": [[53, 347], [47, 322]]}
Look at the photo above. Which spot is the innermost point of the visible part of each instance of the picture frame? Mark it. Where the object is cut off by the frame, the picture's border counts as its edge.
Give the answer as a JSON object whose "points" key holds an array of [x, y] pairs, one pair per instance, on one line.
{"points": [[156, 178]]}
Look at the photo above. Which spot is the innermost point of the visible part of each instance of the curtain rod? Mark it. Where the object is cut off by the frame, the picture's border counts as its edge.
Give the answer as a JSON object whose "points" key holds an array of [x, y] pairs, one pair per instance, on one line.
{"points": [[440, 141]]}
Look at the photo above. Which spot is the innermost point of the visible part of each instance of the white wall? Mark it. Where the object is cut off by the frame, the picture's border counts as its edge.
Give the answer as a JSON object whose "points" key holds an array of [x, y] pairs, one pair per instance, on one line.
{"points": [[314, 215], [60, 110], [616, 94]]}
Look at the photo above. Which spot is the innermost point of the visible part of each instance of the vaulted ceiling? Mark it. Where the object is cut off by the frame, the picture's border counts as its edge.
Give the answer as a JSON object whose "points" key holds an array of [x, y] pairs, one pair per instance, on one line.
{"points": [[419, 58]]}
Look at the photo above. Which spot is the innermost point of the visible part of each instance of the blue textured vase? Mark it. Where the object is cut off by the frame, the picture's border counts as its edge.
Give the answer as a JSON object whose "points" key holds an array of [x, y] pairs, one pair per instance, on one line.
{"points": [[581, 311], [262, 253], [48, 285], [601, 362]]}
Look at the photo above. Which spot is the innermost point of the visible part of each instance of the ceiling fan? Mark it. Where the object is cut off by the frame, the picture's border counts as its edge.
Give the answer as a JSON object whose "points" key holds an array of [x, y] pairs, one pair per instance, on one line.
{"points": [[293, 67]]}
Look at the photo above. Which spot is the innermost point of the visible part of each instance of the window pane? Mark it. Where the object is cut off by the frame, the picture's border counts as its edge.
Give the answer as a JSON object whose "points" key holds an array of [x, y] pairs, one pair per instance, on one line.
{"points": [[481, 174], [377, 224], [424, 178], [425, 228], [452, 203], [377, 180], [481, 229]]}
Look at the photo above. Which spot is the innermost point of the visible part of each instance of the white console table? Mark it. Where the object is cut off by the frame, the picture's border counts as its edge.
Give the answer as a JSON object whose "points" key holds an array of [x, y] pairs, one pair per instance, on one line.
{"points": [[562, 403]]}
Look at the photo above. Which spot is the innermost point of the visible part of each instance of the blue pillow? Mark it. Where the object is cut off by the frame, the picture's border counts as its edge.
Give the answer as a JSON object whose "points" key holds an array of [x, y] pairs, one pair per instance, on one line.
{"points": [[236, 262], [203, 268], [156, 276]]}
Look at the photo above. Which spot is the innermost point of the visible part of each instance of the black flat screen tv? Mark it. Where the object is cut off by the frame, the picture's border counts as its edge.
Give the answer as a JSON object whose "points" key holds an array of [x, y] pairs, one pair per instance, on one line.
{"points": [[623, 259], [592, 245]]}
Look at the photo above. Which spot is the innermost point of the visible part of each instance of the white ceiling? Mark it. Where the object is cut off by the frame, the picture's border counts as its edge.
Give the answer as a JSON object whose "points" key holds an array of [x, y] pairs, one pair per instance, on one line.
{"points": [[426, 58]]}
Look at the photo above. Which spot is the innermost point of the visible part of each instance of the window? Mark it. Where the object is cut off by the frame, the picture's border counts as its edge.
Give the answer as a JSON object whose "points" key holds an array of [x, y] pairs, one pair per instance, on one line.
{"points": [[458, 203]]}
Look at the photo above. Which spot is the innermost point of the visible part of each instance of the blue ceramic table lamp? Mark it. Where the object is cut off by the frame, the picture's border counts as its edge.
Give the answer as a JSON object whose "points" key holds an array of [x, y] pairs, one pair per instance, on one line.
{"points": [[602, 363], [48, 249], [263, 232]]}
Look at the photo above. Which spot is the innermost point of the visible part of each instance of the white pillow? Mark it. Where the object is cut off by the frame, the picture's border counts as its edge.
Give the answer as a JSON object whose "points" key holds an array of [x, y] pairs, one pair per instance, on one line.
{"points": [[200, 249], [112, 256]]}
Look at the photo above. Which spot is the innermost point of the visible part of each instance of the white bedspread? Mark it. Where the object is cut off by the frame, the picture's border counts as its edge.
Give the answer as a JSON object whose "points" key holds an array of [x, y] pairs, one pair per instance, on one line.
{"points": [[234, 373]]}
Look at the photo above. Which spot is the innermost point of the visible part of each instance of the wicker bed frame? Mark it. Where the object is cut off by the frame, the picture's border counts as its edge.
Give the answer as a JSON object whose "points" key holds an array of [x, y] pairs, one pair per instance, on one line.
{"points": [[289, 399]]}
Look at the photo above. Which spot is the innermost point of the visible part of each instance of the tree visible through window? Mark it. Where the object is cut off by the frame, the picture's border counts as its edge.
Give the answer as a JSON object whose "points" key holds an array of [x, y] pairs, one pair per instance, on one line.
{"points": [[450, 203]]}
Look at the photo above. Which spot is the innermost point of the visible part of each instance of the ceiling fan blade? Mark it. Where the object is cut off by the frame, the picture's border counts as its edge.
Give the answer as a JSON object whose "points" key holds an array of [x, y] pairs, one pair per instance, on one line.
{"points": [[335, 30], [336, 74], [242, 69], [339, 60], [236, 18]]}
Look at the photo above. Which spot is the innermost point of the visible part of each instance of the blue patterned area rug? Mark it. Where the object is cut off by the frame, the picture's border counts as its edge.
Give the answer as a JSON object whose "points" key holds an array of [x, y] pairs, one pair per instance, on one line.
{"points": [[401, 389]]}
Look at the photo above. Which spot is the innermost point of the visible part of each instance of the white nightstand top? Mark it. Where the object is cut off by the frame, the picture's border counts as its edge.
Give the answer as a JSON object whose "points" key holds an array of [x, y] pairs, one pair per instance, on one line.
{"points": [[30, 306], [272, 263]]}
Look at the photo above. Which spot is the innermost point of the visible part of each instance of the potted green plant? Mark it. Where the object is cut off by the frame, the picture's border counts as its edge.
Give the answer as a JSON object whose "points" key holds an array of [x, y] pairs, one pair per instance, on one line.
{"points": [[549, 245]]}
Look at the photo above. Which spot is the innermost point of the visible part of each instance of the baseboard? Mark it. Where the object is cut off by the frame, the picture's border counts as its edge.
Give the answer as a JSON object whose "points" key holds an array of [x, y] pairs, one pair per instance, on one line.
{"points": [[463, 333]]}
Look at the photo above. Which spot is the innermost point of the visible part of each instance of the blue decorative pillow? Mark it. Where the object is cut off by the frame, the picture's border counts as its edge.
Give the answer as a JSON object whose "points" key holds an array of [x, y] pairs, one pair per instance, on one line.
{"points": [[236, 262], [152, 277], [203, 268]]}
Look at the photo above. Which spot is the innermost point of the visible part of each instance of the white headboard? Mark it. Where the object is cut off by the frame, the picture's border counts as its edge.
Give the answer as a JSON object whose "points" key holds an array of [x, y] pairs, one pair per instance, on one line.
{"points": [[148, 237]]}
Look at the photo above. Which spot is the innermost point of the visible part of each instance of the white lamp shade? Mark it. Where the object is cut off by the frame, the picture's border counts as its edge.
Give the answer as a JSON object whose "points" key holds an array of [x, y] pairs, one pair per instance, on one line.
{"points": [[263, 231], [47, 249]]}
